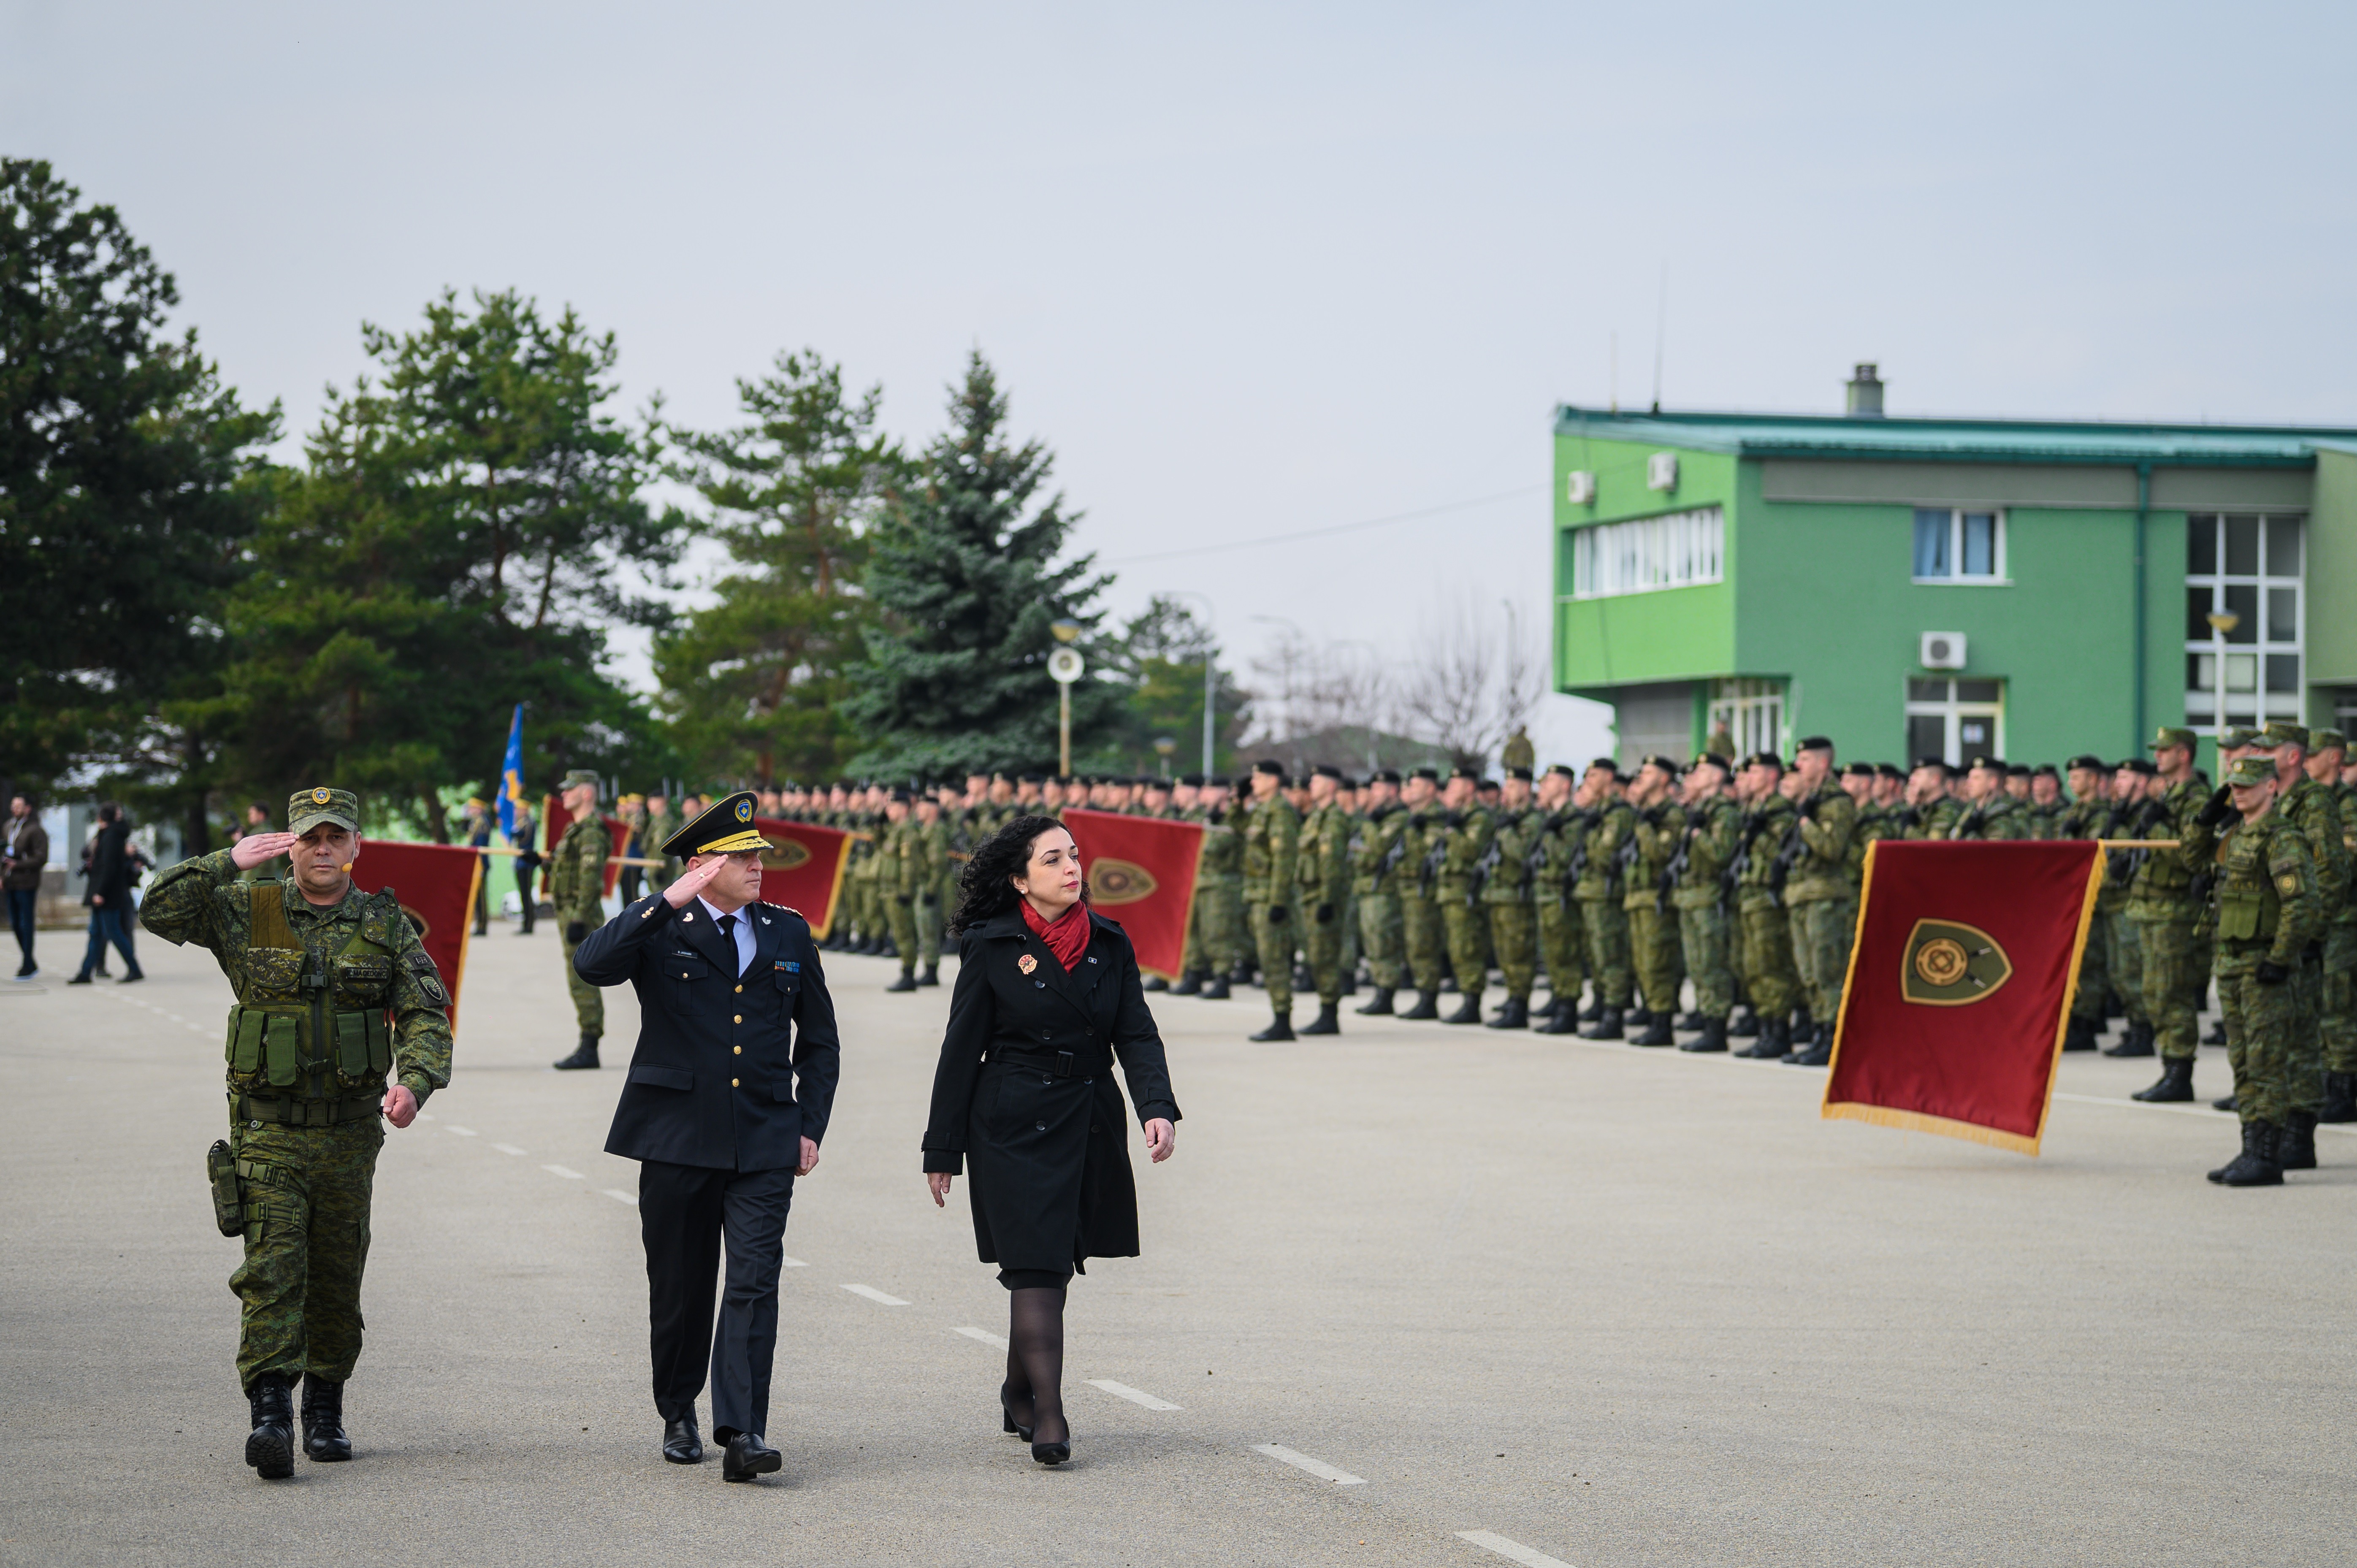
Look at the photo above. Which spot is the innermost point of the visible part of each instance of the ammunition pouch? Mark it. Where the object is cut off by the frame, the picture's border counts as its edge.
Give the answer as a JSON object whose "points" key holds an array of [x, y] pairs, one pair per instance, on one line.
{"points": [[229, 1200], [2248, 914], [303, 1112], [270, 1053]]}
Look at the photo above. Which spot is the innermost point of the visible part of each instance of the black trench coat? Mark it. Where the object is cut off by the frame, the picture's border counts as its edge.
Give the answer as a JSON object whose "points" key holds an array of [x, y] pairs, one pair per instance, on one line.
{"points": [[1025, 1091]]}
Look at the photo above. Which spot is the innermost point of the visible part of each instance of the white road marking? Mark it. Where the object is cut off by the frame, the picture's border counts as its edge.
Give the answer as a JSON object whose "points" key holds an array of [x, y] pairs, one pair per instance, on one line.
{"points": [[462, 1132], [1512, 1551], [986, 1336], [1318, 1468], [567, 1175], [877, 1296], [1134, 1396], [786, 1263], [619, 1196], [506, 1148]]}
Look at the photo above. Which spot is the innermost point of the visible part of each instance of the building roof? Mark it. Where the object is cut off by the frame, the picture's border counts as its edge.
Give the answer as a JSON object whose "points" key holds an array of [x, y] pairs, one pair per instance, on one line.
{"points": [[1964, 440]]}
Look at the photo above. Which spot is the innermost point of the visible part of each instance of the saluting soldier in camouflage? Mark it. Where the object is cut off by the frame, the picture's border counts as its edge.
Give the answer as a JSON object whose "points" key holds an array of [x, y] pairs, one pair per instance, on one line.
{"points": [[1930, 810], [1378, 867], [2165, 906], [1466, 831], [2086, 817], [2268, 907], [2312, 808], [1563, 833], [318, 968], [1322, 883], [1763, 928], [1989, 811], [576, 886], [1714, 827], [1652, 919], [1424, 840], [2328, 750], [1821, 893], [1599, 891], [1508, 896], [2048, 808], [1271, 835]]}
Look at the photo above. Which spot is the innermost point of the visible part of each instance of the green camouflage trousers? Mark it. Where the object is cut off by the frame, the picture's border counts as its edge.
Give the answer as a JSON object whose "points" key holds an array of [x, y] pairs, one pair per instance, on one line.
{"points": [[1514, 937], [902, 915], [1215, 935], [1607, 925], [1653, 950], [1703, 934], [2094, 974], [2304, 1063], [1764, 954], [2127, 963], [2170, 961], [1383, 936], [589, 1001], [1468, 946], [2341, 999], [1321, 940], [1273, 941], [1821, 935], [2260, 1022], [1426, 941], [307, 1241], [1560, 944]]}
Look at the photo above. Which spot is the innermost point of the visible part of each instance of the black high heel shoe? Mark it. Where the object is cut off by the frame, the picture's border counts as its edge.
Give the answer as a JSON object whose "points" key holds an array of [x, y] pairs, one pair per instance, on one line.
{"points": [[1007, 1414], [1051, 1452]]}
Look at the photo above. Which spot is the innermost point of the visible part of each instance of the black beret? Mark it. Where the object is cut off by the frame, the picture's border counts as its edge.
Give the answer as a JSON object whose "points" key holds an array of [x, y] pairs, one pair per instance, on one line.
{"points": [[1564, 769], [1431, 773], [1938, 763], [1325, 770], [1764, 759], [2089, 761], [1860, 770], [1383, 776], [1888, 770], [1816, 742], [1519, 772], [1269, 765]]}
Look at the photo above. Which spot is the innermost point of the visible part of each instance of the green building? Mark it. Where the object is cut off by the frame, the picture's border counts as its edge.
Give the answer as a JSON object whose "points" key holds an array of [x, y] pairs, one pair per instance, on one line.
{"points": [[1950, 588]]}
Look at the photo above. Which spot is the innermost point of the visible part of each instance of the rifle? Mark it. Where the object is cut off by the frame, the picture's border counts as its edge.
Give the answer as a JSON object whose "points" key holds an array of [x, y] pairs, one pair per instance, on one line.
{"points": [[1392, 857], [1623, 859], [1739, 862], [1577, 867], [1430, 870], [1482, 869], [1788, 855], [1675, 869]]}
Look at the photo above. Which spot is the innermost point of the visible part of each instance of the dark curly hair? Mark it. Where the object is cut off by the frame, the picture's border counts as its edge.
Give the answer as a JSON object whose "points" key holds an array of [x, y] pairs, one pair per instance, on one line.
{"points": [[987, 886]]}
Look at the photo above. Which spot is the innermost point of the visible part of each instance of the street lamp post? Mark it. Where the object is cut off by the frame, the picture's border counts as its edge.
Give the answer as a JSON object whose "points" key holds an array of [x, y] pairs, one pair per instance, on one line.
{"points": [[1064, 667]]}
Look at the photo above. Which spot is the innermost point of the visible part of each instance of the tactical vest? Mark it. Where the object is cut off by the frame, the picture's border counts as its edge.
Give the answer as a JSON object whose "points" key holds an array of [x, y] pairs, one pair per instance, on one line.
{"points": [[2249, 908], [309, 1041]]}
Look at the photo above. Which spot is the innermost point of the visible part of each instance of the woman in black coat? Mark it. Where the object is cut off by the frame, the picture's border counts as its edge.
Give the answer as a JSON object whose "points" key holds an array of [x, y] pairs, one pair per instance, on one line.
{"points": [[1048, 995]]}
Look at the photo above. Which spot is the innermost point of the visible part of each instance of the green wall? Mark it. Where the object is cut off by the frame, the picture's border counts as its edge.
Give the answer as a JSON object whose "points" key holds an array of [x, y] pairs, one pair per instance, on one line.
{"points": [[1671, 635], [2332, 629]]}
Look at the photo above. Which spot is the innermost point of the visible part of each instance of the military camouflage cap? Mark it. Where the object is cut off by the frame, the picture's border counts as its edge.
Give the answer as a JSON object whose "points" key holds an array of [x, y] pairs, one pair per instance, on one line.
{"points": [[2248, 771], [2233, 736], [2283, 732], [2327, 740], [306, 808], [2172, 735], [579, 776]]}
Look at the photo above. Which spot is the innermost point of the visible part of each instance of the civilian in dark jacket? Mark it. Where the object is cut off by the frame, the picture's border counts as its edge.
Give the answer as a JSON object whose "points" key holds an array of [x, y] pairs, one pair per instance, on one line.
{"points": [[28, 845], [1048, 995], [727, 1096], [112, 865]]}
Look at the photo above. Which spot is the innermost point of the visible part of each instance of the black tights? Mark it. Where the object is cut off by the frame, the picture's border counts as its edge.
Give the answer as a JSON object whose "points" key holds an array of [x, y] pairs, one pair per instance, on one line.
{"points": [[1034, 1360]]}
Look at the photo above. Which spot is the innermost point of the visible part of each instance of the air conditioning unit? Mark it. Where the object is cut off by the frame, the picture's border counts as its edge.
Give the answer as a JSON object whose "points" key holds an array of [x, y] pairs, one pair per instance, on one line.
{"points": [[1662, 471], [1580, 489], [1943, 651]]}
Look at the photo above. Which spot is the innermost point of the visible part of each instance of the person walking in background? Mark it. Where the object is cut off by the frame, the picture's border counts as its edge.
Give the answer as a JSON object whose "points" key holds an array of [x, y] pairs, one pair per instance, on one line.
{"points": [[479, 838], [523, 838], [111, 867], [632, 811], [1047, 996], [576, 886], [27, 852]]}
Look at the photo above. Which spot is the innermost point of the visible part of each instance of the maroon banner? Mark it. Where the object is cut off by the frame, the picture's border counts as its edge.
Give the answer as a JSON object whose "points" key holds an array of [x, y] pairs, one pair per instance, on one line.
{"points": [[435, 883], [1142, 874], [1959, 988], [805, 871], [554, 819]]}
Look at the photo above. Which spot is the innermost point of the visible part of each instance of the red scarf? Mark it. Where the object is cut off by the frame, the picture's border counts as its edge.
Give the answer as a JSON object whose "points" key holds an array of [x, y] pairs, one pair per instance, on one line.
{"points": [[1067, 936]]}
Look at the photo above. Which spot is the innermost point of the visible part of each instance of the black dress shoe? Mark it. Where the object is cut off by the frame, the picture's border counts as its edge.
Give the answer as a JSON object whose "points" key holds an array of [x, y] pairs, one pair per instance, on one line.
{"points": [[681, 1444], [324, 1439], [270, 1448], [1052, 1452], [748, 1457]]}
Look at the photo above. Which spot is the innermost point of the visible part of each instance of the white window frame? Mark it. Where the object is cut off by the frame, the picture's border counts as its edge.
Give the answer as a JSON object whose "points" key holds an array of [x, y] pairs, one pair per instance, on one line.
{"points": [[1751, 711], [1955, 710], [2001, 578], [2222, 655], [1647, 555]]}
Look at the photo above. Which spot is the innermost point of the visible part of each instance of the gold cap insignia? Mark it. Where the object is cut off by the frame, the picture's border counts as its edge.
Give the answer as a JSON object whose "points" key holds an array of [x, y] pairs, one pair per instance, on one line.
{"points": [[744, 810], [319, 797]]}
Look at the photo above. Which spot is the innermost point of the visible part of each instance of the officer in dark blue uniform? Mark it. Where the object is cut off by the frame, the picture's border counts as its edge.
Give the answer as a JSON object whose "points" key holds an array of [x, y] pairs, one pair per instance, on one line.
{"points": [[725, 1102]]}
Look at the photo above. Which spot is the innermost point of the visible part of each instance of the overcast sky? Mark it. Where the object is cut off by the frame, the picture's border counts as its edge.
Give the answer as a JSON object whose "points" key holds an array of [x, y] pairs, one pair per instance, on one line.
{"points": [[1262, 269]]}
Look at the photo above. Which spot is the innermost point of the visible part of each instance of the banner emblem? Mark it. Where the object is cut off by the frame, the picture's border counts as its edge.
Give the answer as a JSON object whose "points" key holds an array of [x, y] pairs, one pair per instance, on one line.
{"points": [[418, 922], [1117, 882], [786, 856], [1950, 964]]}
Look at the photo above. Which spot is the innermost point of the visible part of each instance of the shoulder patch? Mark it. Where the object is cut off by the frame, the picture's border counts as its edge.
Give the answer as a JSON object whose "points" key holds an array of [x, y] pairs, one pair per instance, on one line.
{"points": [[429, 979], [2288, 882]]}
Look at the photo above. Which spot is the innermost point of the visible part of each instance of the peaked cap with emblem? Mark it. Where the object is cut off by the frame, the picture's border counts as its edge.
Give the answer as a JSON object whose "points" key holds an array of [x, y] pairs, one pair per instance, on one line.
{"points": [[724, 827], [306, 808], [2250, 771]]}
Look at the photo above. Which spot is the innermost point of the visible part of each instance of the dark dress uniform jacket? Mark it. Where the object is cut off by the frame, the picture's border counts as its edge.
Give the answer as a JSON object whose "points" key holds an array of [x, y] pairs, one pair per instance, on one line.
{"points": [[1025, 1091], [731, 1071]]}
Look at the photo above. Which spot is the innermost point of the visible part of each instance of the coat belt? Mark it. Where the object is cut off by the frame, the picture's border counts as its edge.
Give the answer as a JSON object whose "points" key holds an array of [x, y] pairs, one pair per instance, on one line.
{"points": [[1061, 1064]]}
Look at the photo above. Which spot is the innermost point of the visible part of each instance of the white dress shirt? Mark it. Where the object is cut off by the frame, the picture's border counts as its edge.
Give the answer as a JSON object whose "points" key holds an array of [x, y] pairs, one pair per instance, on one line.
{"points": [[742, 932]]}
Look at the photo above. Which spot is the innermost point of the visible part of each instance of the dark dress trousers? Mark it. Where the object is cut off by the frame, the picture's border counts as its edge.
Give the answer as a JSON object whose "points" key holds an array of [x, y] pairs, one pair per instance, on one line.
{"points": [[1025, 1093], [731, 1070]]}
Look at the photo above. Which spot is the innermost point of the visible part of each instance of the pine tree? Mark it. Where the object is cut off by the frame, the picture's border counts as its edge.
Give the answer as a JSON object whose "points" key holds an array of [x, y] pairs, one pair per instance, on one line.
{"points": [[965, 582]]}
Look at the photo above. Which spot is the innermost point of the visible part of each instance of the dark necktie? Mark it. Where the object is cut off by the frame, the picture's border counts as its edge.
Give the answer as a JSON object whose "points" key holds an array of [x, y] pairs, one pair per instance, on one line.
{"points": [[728, 934]]}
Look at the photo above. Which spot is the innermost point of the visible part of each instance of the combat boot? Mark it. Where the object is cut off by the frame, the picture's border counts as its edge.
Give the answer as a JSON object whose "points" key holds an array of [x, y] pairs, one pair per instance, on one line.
{"points": [[2079, 1036], [1593, 1012], [1279, 1028], [1241, 974], [1216, 989], [1606, 1027], [1325, 1022], [907, 981], [584, 1056], [1744, 1024], [932, 975], [1639, 1016], [2217, 1034], [1189, 984], [1302, 979], [1514, 1015], [1803, 1026], [1714, 1036], [1566, 1022], [1690, 1022], [2255, 1166], [2136, 1042], [1657, 1031], [323, 1421], [2296, 1143], [2340, 1098], [1773, 1044], [1428, 1005], [2175, 1086], [1379, 1005], [1816, 1052], [2230, 1104], [1469, 1010], [271, 1448], [1155, 982]]}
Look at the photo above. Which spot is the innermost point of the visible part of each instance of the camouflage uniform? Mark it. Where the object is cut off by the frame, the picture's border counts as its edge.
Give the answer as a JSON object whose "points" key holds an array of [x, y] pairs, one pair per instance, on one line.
{"points": [[1271, 835], [1600, 892], [904, 868], [1506, 896], [1713, 830], [2164, 908], [1821, 894], [2311, 807], [1217, 933], [1653, 924], [1936, 821], [2341, 944], [1378, 867], [2267, 909], [1322, 880], [1764, 927], [1465, 838], [1562, 938], [1998, 817], [660, 826], [1426, 933], [576, 885], [304, 1108], [2087, 820]]}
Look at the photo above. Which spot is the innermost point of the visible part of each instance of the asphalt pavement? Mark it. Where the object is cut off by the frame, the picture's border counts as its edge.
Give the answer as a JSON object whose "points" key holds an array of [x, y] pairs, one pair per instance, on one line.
{"points": [[1415, 1294]]}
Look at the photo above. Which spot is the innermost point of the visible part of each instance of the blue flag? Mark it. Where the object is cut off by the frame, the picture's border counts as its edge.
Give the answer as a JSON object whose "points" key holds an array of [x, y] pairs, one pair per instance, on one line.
{"points": [[512, 776]]}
